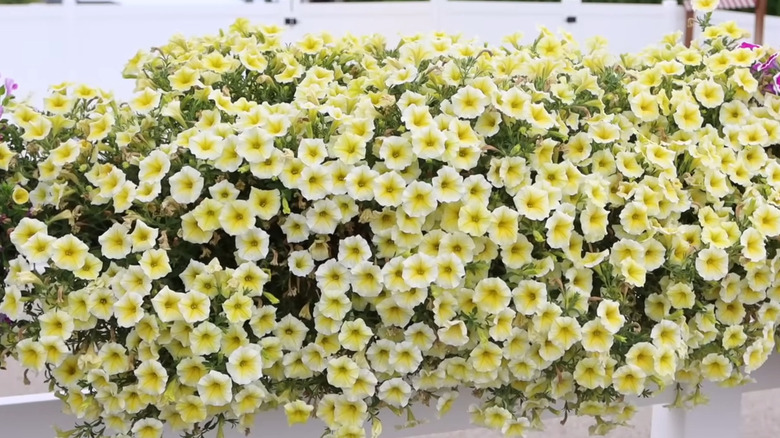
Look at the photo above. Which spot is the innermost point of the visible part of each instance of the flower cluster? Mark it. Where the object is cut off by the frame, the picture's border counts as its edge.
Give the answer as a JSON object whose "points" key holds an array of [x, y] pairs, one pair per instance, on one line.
{"points": [[7, 93], [768, 71], [338, 227]]}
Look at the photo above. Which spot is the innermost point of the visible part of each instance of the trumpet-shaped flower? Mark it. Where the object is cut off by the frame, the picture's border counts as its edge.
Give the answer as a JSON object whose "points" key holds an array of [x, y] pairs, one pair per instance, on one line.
{"points": [[215, 389]]}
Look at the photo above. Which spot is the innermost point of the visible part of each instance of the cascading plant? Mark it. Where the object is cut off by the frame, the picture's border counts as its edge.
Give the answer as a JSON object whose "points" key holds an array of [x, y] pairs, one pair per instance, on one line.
{"points": [[340, 226]]}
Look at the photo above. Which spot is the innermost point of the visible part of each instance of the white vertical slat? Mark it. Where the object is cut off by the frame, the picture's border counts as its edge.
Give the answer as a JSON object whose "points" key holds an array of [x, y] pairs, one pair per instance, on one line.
{"points": [[720, 418]]}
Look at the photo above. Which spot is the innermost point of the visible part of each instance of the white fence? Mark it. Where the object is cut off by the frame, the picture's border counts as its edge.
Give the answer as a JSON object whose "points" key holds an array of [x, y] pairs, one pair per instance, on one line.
{"points": [[44, 44], [35, 416]]}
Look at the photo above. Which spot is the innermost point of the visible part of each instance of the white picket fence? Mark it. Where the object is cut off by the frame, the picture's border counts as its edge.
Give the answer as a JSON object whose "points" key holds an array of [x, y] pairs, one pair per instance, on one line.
{"points": [[43, 44], [35, 416]]}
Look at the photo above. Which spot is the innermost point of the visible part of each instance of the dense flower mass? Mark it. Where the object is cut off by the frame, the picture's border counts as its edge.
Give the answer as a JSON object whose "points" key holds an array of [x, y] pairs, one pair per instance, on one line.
{"points": [[338, 227]]}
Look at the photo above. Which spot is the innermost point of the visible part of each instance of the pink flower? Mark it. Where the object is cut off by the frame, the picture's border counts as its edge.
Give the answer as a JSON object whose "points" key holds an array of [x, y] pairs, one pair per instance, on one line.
{"points": [[750, 46], [10, 86]]}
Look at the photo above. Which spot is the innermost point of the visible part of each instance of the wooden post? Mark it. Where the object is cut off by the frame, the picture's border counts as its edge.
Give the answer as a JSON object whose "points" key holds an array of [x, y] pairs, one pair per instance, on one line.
{"points": [[689, 24], [760, 17]]}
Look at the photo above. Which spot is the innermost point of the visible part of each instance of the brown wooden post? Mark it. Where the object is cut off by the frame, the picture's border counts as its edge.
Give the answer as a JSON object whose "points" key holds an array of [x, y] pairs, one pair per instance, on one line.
{"points": [[689, 23], [760, 16]]}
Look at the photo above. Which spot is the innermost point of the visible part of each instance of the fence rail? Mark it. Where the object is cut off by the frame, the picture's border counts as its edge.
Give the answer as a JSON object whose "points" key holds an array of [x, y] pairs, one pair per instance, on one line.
{"points": [[20, 416]]}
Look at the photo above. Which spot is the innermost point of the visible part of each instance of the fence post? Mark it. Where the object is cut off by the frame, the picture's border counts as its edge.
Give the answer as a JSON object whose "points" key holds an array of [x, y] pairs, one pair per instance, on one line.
{"points": [[721, 417], [69, 22], [438, 8]]}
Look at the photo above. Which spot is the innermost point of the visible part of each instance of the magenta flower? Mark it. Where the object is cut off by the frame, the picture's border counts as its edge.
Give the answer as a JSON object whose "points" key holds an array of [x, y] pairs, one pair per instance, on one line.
{"points": [[776, 83], [750, 46], [770, 63]]}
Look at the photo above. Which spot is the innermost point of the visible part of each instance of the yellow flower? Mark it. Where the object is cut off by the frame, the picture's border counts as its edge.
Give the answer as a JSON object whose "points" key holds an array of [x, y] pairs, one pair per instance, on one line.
{"points": [[322, 218], [186, 185], [687, 116], [249, 399], [486, 357], [395, 392], [245, 365], [565, 332], [152, 377], [590, 373], [645, 106], [629, 380], [469, 102], [596, 337], [5, 156], [633, 272], [12, 304], [709, 93], [705, 5], [145, 101], [712, 264], [185, 78], [205, 339], [474, 219], [56, 323], [291, 332], [215, 389], [354, 335], [342, 372], [236, 217], [350, 414], [298, 412], [194, 307], [396, 152], [681, 296], [153, 167], [716, 367], [20, 195], [766, 219], [128, 309], [560, 227], [68, 252], [603, 132], [38, 129], [539, 117], [32, 355], [451, 271], [148, 428], [533, 202], [155, 263], [529, 296], [419, 270], [192, 409], [492, 295], [143, 236]]}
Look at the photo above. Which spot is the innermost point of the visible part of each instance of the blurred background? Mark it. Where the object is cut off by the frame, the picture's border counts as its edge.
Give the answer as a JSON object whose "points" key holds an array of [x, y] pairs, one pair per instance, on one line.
{"points": [[50, 41]]}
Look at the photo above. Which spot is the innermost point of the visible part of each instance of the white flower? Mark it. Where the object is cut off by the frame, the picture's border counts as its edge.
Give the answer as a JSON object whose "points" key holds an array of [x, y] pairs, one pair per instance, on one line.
{"points": [[215, 389], [245, 364], [186, 185]]}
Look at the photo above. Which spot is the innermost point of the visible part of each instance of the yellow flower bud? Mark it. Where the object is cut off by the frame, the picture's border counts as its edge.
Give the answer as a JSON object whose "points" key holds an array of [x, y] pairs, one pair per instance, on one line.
{"points": [[20, 195]]}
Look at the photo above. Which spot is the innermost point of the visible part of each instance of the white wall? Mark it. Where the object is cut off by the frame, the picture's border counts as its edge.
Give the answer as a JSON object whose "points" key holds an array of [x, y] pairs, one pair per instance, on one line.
{"points": [[43, 44]]}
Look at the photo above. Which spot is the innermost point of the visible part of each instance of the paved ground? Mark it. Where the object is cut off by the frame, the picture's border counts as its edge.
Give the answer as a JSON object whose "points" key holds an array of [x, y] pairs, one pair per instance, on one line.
{"points": [[760, 415]]}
